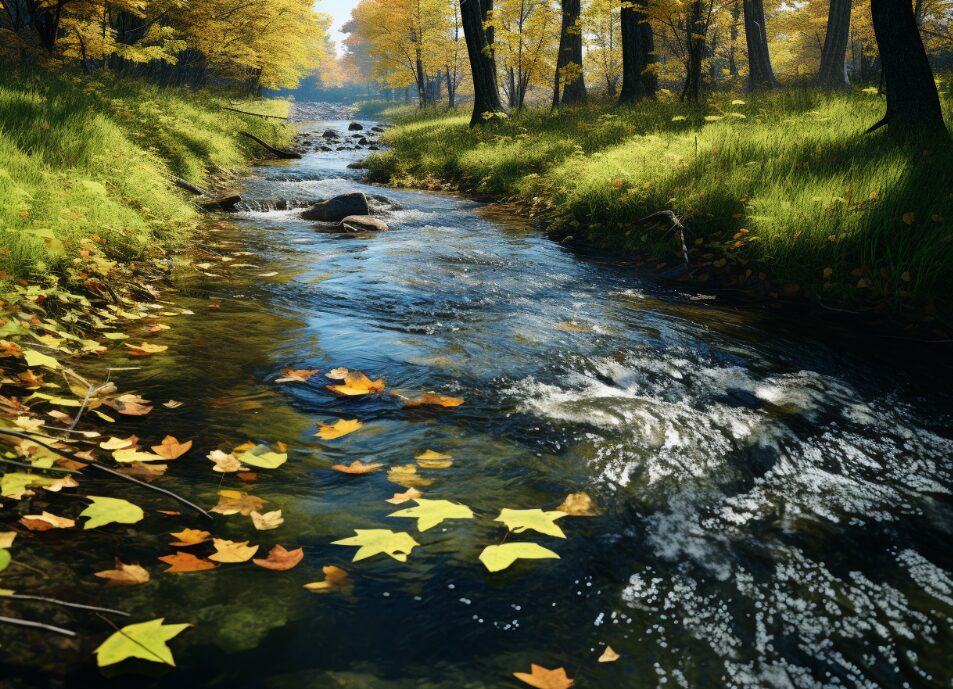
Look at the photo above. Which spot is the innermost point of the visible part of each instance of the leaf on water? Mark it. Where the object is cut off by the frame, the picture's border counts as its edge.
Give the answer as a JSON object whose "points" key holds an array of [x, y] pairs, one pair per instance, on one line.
{"points": [[172, 404], [407, 476], [338, 428], [110, 511], [4, 559], [6, 538], [578, 505], [144, 472], [356, 383], [408, 495], [225, 463], [434, 460], [609, 655], [186, 562], [357, 467], [172, 448], [131, 454], [541, 678], [236, 502], [125, 575], [232, 551], [144, 349], [130, 405], [115, 336], [267, 521], [17, 484], [380, 541], [145, 640], [432, 399], [334, 578], [262, 457], [296, 375], [499, 557], [46, 521], [35, 358], [187, 537], [280, 559], [519, 521], [337, 373], [429, 513], [114, 443]]}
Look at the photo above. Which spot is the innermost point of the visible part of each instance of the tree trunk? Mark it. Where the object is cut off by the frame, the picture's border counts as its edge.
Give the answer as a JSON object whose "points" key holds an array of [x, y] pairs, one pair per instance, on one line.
{"points": [[695, 45], [760, 74], [833, 72], [486, 96], [913, 105], [511, 89], [570, 49], [638, 81], [732, 62]]}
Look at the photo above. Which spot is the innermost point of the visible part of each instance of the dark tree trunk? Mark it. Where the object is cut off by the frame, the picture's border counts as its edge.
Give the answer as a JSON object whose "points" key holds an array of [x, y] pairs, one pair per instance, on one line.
{"points": [[570, 52], [486, 96], [913, 105], [421, 80], [638, 44], [486, 12], [833, 72], [451, 91], [733, 35], [760, 74], [512, 95], [695, 46]]}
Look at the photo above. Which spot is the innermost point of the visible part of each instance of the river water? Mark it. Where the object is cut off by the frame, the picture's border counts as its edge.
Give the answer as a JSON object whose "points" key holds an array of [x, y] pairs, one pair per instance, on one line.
{"points": [[774, 513]]}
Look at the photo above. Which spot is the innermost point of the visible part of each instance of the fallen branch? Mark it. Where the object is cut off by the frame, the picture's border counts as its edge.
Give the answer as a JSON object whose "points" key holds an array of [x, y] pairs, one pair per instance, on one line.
{"points": [[676, 224], [256, 114], [285, 155], [188, 186], [37, 625], [64, 603]]}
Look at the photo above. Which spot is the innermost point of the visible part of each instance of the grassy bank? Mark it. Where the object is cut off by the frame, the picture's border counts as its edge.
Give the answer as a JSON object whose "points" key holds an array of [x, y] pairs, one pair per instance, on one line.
{"points": [[86, 161], [783, 193]]}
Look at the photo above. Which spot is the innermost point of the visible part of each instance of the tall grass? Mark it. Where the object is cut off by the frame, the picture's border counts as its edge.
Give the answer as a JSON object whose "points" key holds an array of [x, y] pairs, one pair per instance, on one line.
{"points": [[785, 183], [84, 158]]}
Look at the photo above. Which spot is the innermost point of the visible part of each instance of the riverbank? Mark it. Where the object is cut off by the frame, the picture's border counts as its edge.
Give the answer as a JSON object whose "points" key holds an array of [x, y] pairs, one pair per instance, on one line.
{"points": [[784, 196]]}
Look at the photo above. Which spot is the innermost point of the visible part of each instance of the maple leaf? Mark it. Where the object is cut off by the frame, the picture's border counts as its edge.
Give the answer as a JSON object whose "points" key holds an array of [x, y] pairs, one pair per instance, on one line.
{"points": [[356, 383], [380, 541], [432, 399], [267, 521], [16, 484], [6, 538], [578, 505], [186, 562], [46, 521], [225, 463], [236, 502], [519, 521], [187, 537], [131, 454], [110, 511], [499, 557], [262, 457], [609, 655], [280, 559], [334, 578], [541, 678], [172, 448], [357, 467], [232, 551], [407, 476], [429, 513], [35, 358], [144, 472], [144, 349], [296, 375], [130, 405], [124, 575], [406, 496], [145, 640], [338, 428], [114, 443], [434, 460]]}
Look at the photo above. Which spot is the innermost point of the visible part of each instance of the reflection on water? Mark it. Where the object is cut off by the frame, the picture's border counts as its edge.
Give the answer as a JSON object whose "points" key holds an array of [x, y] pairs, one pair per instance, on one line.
{"points": [[774, 513]]}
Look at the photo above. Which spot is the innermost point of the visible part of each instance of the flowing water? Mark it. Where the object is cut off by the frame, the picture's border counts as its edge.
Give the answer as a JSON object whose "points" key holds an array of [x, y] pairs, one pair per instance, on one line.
{"points": [[774, 512]]}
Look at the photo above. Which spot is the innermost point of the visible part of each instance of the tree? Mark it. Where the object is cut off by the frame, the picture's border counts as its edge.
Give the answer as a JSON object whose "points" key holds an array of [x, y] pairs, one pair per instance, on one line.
{"points": [[569, 71], [913, 105], [760, 74], [602, 28], [833, 72], [486, 95], [526, 30], [638, 45]]}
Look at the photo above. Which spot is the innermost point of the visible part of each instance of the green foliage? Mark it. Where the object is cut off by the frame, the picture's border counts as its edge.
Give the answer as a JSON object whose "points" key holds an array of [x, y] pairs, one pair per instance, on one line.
{"points": [[848, 217]]}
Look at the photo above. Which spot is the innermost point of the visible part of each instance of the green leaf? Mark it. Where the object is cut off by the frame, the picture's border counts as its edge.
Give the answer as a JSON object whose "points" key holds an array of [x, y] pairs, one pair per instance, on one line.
{"points": [[4, 559], [380, 541], [145, 640], [110, 510], [519, 521], [35, 358], [16, 483], [263, 458], [499, 557], [429, 513]]}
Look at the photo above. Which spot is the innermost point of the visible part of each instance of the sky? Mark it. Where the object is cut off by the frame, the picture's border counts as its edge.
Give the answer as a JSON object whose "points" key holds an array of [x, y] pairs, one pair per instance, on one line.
{"points": [[340, 10]]}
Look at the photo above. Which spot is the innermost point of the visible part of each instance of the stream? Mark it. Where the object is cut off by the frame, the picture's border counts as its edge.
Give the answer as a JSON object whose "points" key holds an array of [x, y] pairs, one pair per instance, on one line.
{"points": [[774, 512]]}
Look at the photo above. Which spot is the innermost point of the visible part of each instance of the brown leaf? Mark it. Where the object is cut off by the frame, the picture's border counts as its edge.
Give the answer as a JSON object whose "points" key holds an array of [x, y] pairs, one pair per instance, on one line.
{"points": [[187, 537], [236, 502], [541, 678], [432, 399], [130, 405], [124, 575], [578, 505], [337, 373], [144, 349], [280, 559], [357, 467], [172, 448], [334, 578], [267, 521], [143, 471], [296, 375], [186, 562], [46, 521], [408, 495]]}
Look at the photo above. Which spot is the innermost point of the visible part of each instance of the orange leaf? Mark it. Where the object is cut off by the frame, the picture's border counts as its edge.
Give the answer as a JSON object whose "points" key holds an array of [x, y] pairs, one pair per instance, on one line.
{"points": [[296, 375], [408, 495], [433, 399], [356, 383], [185, 562], [541, 678], [125, 575], [280, 559], [188, 537], [357, 467], [334, 578], [172, 448], [45, 522]]}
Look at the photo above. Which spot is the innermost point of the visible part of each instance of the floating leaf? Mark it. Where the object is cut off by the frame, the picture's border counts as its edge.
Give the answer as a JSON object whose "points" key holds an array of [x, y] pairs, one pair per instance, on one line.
{"points": [[143, 472], [338, 428], [429, 513], [225, 463], [380, 541], [432, 399], [110, 511], [45, 522], [187, 537], [236, 502], [125, 575], [130, 405], [6, 538], [114, 443], [145, 640], [541, 678], [144, 349], [267, 521], [434, 460], [337, 373], [609, 655], [131, 454], [4, 559], [407, 476], [34, 358], [172, 404], [334, 578], [400, 498], [573, 327], [186, 562], [263, 457], [232, 551], [578, 505], [172, 448], [519, 521], [356, 383], [357, 467], [16, 484], [280, 559], [499, 557], [296, 375]]}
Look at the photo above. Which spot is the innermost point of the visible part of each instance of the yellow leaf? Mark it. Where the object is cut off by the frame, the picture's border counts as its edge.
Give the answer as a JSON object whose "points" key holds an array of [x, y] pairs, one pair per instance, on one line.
{"points": [[608, 655], [519, 521], [499, 557], [35, 358], [356, 383], [380, 541], [578, 505], [338, 428], [267, 521], [430, 513], [131, 454], [434, 460], [407, 476], [334, 578], [232, 551]]}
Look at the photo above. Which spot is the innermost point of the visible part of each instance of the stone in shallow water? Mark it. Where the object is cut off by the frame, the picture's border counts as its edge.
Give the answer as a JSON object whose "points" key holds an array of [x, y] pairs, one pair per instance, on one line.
{"points": [[355, 126], [337, 208], [364, 223]]}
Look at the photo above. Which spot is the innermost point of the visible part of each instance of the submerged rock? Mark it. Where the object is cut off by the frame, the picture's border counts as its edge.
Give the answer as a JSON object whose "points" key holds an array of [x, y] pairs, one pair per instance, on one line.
{"points": [[363, 223], [355, 126], [358, 165], [338, 208], [330, 134]]}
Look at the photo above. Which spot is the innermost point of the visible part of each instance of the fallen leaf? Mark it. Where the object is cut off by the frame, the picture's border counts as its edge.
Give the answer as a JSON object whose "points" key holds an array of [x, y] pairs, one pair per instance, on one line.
{"points": [[6, 538], [608, 655], [144, 472], [578, 505], [434, 460], [114, 443], [45, 522], [187, 537], [499, 557], [125, 575], [145, 640], [400, 498], [357, 467], [232, 551], [186, 562], [407, 476], [236, 502], [225, 463], [334, 578], [519, 521], [172, 404], [131, 454], [429, 513], [296, 375], [432, 399], [172, 448], [130, 405], [267, 521], [110, 511], [356, 383], [337, 373], [262, 457], [338, 428], [380, 541], [144, 349], [34, 358], [280, 559], [541, 678], [908, 219]]}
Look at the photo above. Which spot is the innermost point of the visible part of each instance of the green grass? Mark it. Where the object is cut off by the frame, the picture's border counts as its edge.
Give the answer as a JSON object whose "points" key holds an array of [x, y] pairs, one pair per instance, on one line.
{"points": [[785, 183], [89, 158]]}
